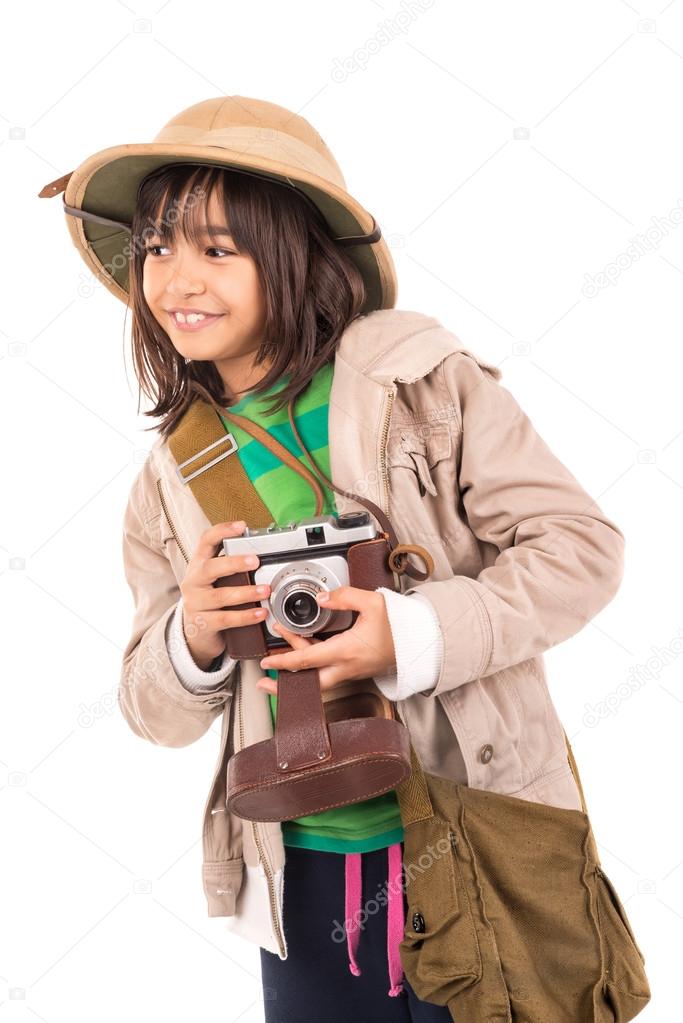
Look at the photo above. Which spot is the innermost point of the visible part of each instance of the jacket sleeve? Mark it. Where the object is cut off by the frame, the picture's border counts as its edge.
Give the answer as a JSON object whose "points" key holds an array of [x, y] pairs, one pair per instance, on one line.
{"points": [[152, 699], [414, 625], [557, 558], [192, 677]]}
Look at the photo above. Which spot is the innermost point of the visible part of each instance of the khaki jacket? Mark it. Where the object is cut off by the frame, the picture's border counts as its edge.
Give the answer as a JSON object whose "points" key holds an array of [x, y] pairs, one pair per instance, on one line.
{"points": [[523, 558]]}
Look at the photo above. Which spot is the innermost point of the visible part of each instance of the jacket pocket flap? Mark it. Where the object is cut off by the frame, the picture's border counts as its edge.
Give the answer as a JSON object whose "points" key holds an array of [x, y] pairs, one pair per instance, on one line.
{"points": [[419, 451], [433, 442]]}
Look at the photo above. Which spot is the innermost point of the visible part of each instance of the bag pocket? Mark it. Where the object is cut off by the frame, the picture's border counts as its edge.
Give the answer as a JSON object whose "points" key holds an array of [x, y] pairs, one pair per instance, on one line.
{"points": [[440, 950], [625, 984]]}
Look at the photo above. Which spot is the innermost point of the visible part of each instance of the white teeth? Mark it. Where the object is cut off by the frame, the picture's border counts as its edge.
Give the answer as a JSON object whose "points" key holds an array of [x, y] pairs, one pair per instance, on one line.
{"points": [[190, 318]]}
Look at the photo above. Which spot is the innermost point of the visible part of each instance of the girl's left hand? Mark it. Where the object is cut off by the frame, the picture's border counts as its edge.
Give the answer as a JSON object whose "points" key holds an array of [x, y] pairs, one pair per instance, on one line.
{"points": [[363, 651]]}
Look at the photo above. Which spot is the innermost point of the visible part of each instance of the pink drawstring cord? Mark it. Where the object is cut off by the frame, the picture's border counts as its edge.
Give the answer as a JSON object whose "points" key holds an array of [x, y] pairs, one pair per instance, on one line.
{"points": [[395, 914], [352, 908], [395, 918]]}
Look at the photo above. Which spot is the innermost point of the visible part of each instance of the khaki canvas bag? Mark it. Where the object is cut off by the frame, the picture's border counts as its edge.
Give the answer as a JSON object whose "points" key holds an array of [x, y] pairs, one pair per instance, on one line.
{"points": [[510, 915]]}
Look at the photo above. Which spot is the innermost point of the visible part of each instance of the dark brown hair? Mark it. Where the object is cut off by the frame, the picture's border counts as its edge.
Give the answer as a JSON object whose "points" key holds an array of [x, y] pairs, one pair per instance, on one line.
{"points": [[312, 289]]}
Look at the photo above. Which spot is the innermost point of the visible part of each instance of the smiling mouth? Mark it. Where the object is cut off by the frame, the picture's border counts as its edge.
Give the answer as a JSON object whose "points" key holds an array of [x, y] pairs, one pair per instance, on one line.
{"points": [[197, 325]]}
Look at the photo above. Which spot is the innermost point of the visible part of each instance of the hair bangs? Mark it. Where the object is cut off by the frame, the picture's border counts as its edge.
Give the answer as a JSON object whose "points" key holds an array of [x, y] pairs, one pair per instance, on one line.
{"points": [[182, 209]]}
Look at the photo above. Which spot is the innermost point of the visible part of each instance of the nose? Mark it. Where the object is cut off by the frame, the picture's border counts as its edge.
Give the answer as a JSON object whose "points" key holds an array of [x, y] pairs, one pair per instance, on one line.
{"points": [[183, 280]]}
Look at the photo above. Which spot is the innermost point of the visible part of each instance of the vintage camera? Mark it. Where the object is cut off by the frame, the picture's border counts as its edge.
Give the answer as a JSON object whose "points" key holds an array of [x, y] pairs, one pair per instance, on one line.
{"points": [[298, 561]]}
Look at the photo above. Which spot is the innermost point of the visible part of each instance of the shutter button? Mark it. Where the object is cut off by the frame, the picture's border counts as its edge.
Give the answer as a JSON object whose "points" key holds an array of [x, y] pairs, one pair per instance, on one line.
{"points": [[418, 923], [486, 753]]}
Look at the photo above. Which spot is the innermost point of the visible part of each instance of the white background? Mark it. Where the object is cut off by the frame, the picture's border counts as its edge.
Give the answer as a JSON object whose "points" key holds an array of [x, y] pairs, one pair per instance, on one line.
{"points": [[511, 153]]}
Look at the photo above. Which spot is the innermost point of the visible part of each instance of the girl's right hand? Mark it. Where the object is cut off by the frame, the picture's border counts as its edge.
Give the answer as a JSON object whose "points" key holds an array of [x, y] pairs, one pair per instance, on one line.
{"points": [[203, 619]]}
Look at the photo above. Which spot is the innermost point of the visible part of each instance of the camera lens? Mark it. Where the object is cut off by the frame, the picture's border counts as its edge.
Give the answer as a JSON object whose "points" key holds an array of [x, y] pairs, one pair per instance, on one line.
{"points": [[300, 607]]}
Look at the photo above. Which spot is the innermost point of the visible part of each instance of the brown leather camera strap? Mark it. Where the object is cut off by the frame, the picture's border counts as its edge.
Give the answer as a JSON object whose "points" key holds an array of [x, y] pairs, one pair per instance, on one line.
{"points": [[302, 738], [259, 434]]}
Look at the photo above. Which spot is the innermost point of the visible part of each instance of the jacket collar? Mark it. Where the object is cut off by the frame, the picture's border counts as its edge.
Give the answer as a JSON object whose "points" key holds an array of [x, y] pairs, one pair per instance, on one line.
{"points": [[367, 343], [390, 345]]}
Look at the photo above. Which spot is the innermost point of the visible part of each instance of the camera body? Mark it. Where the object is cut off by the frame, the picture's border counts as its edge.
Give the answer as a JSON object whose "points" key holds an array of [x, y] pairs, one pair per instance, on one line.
{"points": [[298, 561]]}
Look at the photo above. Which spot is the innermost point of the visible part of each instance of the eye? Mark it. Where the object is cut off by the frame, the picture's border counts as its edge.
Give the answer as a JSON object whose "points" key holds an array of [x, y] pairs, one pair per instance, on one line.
{"points": [[151, 248], [227, 252]]}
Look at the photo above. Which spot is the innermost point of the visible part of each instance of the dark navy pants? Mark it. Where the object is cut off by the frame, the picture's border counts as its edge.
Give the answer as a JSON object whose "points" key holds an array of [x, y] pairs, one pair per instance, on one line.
{"points": [[315, 982]]}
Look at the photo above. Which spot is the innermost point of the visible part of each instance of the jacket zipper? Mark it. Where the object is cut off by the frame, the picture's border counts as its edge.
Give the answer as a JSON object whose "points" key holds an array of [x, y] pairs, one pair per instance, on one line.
{"points": [[383, 460], [259, 845], [170, 521], [257, 840]]}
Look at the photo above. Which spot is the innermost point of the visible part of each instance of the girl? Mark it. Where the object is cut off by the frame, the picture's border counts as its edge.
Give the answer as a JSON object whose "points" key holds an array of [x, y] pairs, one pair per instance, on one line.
{"points": [[254, 277]]}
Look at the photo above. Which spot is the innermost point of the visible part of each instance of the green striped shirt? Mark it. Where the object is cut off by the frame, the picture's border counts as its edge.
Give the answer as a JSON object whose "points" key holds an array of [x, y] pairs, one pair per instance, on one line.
{"points": [[373, 823]]}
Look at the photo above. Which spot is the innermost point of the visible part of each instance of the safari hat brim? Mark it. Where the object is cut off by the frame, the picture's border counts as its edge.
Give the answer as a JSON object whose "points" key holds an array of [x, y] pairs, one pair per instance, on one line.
{"points": [[248, 135]]}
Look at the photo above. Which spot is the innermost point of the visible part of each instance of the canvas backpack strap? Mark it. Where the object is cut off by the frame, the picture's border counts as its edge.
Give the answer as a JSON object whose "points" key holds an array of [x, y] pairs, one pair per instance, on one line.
{"points": [[575, 771], [413, 796], [202, 448], [591, 844]]}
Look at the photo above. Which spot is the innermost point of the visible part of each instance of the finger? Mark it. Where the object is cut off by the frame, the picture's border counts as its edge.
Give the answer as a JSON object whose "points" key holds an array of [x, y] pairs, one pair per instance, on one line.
{"points": [[227, 596], [314, 655], [226, 565], [296, 660], [328, 677], [210, 538], [349, 598], [293, 638], [217, 621], [267, 684]]}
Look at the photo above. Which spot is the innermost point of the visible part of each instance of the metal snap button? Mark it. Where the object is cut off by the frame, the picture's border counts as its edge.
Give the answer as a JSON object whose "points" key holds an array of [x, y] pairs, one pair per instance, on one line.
{"points": [[486, 753], [418, 923]]}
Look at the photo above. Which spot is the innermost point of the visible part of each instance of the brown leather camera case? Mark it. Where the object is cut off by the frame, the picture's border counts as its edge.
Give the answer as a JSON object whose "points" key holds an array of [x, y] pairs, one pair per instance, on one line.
{"points": [[319, 757]]}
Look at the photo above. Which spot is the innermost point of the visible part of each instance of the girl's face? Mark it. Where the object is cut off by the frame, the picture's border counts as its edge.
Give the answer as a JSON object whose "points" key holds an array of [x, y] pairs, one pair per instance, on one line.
{"points": [[208, 279]]}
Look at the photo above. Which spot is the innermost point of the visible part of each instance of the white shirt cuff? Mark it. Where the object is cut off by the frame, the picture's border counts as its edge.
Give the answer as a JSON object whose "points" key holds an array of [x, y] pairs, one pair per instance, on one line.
{"points": [[418, 645], [193, 678]]}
